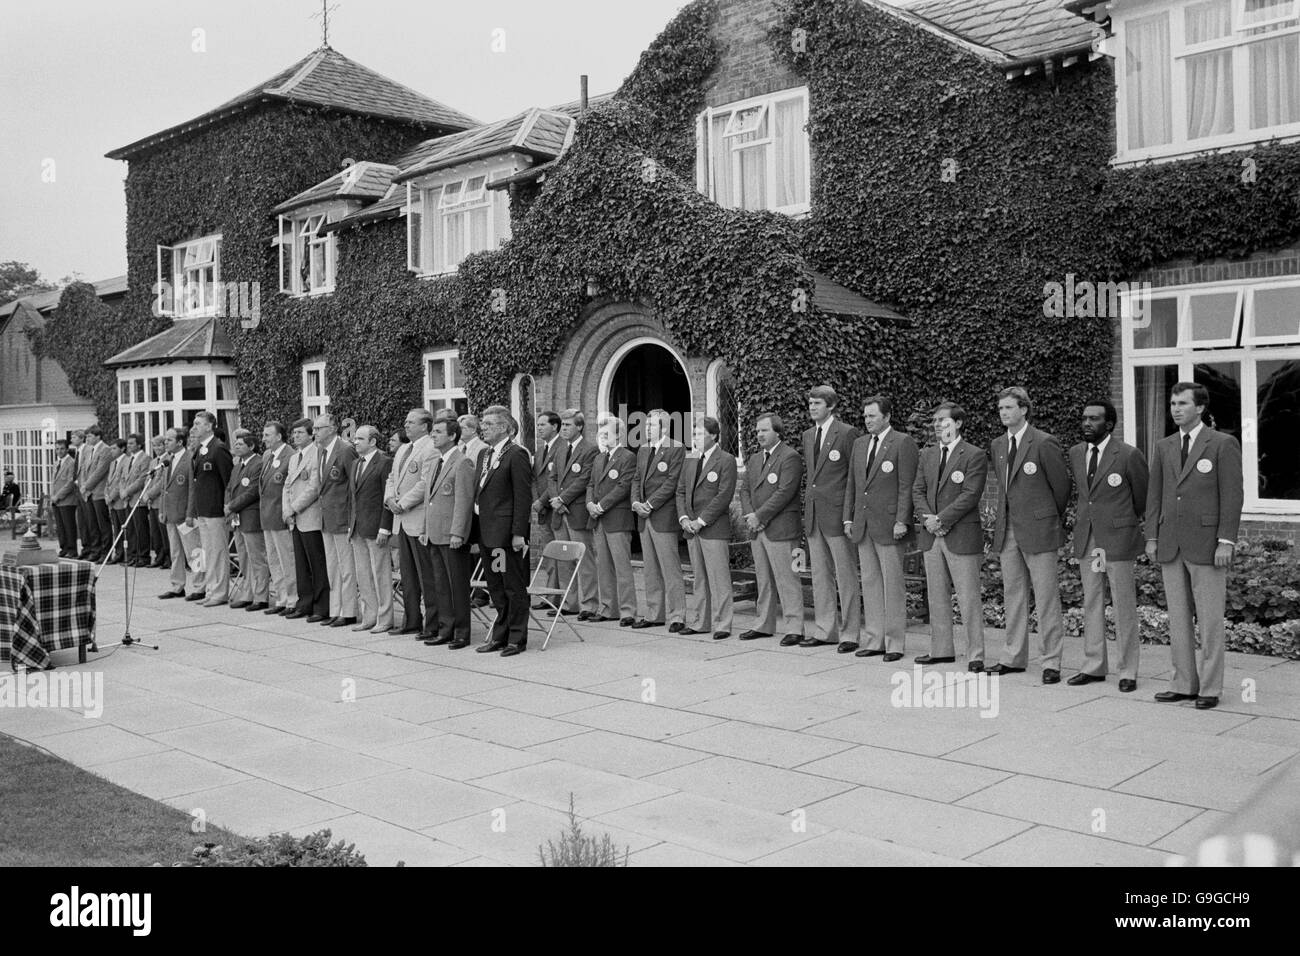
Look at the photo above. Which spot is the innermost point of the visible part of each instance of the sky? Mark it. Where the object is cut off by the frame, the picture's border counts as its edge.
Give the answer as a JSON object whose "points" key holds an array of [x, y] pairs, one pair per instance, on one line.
{"points": [[78, 79]]}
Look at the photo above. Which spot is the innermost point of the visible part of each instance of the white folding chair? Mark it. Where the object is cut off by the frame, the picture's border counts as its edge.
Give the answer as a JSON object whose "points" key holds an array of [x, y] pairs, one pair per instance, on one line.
{"points": [[555, 552], [478, 584]]}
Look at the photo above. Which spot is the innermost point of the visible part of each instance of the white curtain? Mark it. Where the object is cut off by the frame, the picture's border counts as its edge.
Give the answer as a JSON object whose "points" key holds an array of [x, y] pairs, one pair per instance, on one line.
{"points": [[1275, 82], [789, 142], [478, 228], [720, 158], [1146, 75], [1209, 75]]}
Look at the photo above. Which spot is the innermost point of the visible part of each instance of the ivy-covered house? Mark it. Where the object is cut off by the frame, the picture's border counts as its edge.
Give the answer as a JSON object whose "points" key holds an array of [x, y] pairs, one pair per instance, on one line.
{"points": [[779, 194]]}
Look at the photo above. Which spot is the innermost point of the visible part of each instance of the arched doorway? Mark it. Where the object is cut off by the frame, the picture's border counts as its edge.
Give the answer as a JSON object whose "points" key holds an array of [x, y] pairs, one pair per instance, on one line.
{"points": [[647, 374]]}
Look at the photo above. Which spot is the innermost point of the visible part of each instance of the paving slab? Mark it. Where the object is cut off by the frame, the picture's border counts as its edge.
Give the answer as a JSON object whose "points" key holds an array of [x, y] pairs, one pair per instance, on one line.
{"points": [[409, 798], [944, 780], [747, 784], [458, 758], [630, 757], [384, 844], [648, 721], [256, 807], [168, 773], [1048, 846], [513, 833], [767, 745]]}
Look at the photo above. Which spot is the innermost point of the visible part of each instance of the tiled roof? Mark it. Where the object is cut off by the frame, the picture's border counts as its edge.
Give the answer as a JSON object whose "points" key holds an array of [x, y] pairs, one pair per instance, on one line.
{"points": [[45, 301], [387, 208], [539, 132], [1019, 29], [836, 299], [326, 78], [364, 181], [186, 339], [574, 108]]}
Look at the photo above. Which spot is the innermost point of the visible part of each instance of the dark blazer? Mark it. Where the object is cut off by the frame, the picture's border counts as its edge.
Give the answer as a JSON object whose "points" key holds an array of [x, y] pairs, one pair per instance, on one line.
{"points": [[543, 467], [1189, 509], [706, 493], [174, 504], [655, 483], [611, 488], [875, 501], [210, 474], [954, 496], [569, 481], [771, 493], [275, 465], [502, 502], [1039, 491], [367, 497], [1111, 508], [823, 505], [244, 494], [336, 487]]}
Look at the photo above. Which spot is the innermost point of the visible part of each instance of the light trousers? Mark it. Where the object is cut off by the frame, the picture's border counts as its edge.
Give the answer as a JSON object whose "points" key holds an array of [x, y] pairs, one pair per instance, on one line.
{"points": [[946, 573], [709, 608], [1202, 587], [279, 560], [884, 595], [665, 589], [777, 581], [1123, 595], [836, 589], [616, 587], [342, 573], [1022, 570], [374, 570]]}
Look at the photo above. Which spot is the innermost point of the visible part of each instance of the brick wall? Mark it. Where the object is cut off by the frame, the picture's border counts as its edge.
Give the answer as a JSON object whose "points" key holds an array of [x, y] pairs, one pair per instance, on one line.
{"points": [[747, 66]]}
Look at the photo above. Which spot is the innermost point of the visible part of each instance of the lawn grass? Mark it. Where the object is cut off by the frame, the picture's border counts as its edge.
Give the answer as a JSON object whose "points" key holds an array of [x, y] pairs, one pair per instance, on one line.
{"points": [[53, 813]]}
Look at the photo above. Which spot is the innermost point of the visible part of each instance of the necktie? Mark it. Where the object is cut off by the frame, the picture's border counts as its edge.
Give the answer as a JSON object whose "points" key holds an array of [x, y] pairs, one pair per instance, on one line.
{"points": [[817, 447], [487, 468], [943, 462], [1011, 461], [1187, 444], [437, 471], [871, 453], [1092, 465]]}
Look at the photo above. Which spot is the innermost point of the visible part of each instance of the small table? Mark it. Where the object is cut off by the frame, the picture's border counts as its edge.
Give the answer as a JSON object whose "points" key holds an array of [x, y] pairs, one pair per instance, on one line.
{"points": [[46, 608]]}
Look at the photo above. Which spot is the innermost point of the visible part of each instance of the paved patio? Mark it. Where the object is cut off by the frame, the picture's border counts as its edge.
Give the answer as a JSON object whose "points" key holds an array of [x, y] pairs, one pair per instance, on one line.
{"points": [[689, 751]]}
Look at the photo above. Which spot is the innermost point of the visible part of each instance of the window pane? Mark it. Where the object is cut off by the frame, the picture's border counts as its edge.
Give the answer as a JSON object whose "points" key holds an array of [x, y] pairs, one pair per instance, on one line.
{"points": [[1214, 317], [1223, 379], [153, 390], [168, 420], [124, 393], [1157, 326], [155, 429], [311, 387], [437, 374], [1262, 11], [126, 424], [721, 160], [752, 177], [194, 388], [461, 405], [1209, 94], [1146, 76], [1277, 312], [791, 170], [1152, 385], [139, 422], [457, 380], [169, 386], [1275, 82], [227, 388], [1278, 399], [139, 391]]}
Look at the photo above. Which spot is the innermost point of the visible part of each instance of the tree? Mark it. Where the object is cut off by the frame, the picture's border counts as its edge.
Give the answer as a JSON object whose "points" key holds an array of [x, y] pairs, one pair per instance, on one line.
{"points": [[18, 279]]}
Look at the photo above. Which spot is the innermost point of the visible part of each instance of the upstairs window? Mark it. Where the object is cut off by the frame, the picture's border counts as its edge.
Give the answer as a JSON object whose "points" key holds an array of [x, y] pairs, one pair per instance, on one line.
{"points": [[449, 221], [754, 154], [307, 255], [189, 277], [443, 385]]}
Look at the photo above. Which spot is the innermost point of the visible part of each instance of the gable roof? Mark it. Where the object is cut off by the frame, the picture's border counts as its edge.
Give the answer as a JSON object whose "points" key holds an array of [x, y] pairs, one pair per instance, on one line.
{"points": [[538, 132], [46, 301], [326, 78], [193, 339], [365, 181], [836, 299], [1018, 29]]}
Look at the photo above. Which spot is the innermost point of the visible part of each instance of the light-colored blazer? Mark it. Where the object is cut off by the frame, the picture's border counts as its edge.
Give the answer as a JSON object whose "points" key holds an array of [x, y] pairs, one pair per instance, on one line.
{"points": [[63, 490], [135, 473], [408, 482], [451, 500], [301, 495]]}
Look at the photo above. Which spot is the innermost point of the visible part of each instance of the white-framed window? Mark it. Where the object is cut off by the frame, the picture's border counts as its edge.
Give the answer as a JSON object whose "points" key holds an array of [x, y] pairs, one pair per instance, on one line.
{"points": [[1241, 340], [315, 390], [443, 385], [152, 399], [30, 454], [754, 154], [450, 220], [189, 277], [1206, 74], [308, 255]]}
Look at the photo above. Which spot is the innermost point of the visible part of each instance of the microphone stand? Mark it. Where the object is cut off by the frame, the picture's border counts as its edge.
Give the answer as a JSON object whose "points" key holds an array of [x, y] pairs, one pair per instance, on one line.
{"points": [[127, 640]]}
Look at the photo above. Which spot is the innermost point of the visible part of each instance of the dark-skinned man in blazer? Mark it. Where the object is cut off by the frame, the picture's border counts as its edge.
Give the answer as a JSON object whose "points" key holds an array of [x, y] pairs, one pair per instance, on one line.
{"points": [[1193, 514], [769, 503], [609, 507], [654, 502], [704, 496], [878, 519], [502, 504], [1033, 486], [946, 494], [1111, 478]]}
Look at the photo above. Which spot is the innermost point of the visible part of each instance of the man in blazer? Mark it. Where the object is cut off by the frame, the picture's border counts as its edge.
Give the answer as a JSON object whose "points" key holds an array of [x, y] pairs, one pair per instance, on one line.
{"points": [[243, 508], [372, 523], [502, 502], [548, 439], [63, 498], [337, 458], [946, 494], [654, 502], [878, 519], [1111, 478], [769, 501], [92, 478], [836, 589], [704, 494], [135, 476], [211, 464], [300, 505], [84, 509], [1193, 514], [448, 521], [569, 519], [277, 539], [113, 498], [153, 498], [609, 508], [470, 442], [1033, 488], [176, 473], [406, 496]]}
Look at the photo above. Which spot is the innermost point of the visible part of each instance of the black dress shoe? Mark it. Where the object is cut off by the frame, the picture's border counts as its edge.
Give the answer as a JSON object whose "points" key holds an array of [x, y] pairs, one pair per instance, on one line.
{"points": [[847, 647], [642, 624], [814, 642], [928, 659], [1005, 669], [294, 615], [689, 630], [790, 640], [1051, 676], [868, 652], [1127, 685], [490, 647], [1169, 696], [277, 610], [541, 606], [597, 619], [259, 606], [676, 627], [160, 563], [753, 635], [343, 621], [238, 605], [1205, 703], [439, 641], [171, 594], [1082, 678], [329, 621], [586, 615], [317, 619], [404, 630], [892, 656], [458, 644], [975, 667], [721, 635], [556, 612], [627, 622], [196, 596], [510, 650]]}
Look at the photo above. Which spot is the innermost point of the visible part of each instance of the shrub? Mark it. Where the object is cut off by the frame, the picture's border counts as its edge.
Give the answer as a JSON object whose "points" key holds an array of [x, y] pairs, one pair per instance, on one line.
{"points": [[578, 849], [280, 849]]}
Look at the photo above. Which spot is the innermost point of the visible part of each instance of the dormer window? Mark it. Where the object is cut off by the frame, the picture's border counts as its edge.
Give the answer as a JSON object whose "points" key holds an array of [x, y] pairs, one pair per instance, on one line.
{"points": [[450, 220], [754, 154], [307, 255], [189, 278]]}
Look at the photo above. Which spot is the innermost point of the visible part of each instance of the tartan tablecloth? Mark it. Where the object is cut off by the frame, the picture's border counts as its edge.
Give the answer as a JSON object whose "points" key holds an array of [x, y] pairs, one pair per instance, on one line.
{"points": [[44, 608]]}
